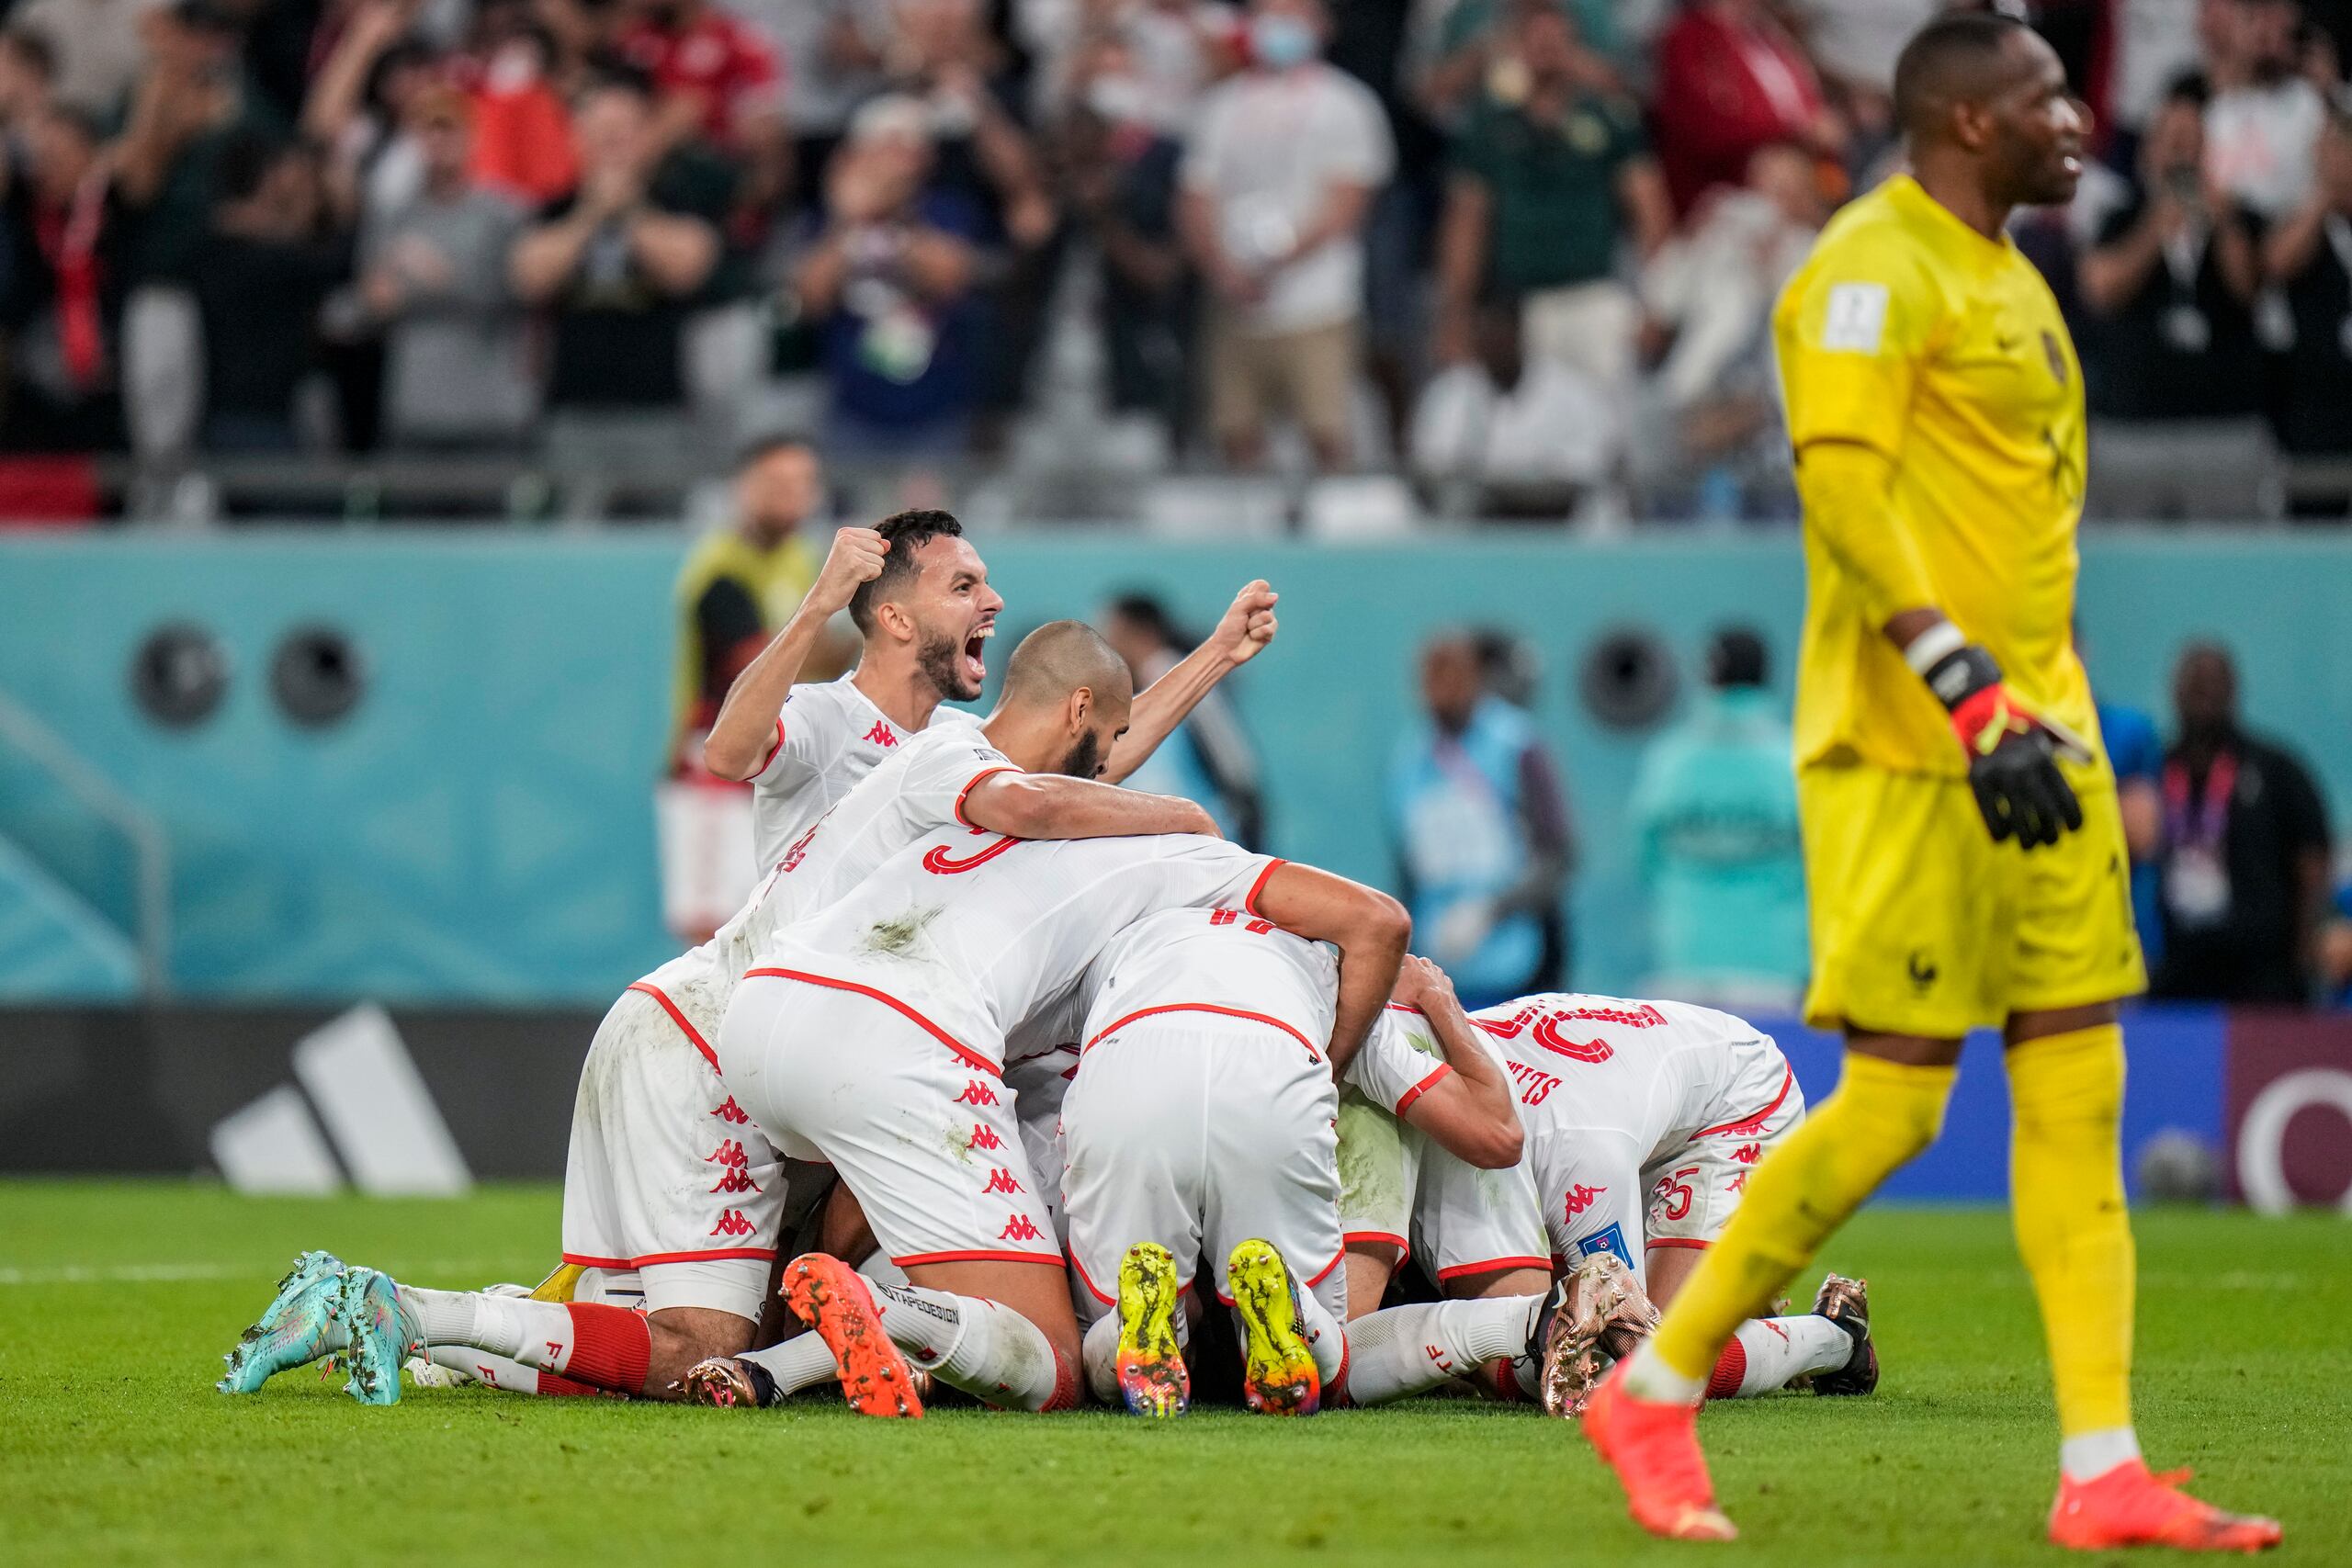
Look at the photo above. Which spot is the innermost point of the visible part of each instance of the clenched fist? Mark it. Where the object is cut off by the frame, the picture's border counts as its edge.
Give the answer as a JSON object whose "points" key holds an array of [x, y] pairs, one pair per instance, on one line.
{"points": [[855, 560]]}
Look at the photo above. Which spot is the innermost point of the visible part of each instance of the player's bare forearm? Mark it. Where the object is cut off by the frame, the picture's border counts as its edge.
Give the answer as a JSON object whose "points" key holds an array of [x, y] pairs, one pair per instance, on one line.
{"points": [[1246, 626], [743, 736], [1469, 1114], [1368, 926], [1049, 806]]}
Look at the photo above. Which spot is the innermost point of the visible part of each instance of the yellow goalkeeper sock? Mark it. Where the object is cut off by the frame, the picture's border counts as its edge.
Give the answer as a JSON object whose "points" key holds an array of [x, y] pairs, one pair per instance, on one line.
{"points": [[1882, 1114], [2073, 1231]]}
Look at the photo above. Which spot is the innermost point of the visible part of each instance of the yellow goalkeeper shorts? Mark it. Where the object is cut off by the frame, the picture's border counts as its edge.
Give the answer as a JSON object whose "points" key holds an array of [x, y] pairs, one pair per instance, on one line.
{"points": [[1923, 925]]}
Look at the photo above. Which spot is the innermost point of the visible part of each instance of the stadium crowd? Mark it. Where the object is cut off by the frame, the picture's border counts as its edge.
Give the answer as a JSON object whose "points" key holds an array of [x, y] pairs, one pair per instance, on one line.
{"points": [[1521, 250]]}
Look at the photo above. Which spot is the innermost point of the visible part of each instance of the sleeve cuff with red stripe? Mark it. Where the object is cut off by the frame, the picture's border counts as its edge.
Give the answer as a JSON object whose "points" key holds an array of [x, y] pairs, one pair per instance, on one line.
{"points": [[1250, 901], [1423, 1086]]}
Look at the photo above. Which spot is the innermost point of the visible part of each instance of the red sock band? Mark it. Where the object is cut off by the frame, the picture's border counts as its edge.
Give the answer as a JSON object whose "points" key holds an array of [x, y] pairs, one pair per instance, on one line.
{"points": [[555, 1385], [611, 1347], [1335, 1393], [1065, 1395], [1731, 1370]]}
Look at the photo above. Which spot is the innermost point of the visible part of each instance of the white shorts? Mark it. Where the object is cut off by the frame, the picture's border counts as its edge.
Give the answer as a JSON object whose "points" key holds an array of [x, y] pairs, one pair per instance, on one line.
{"points": [[1200, 1135], [1039, 1083], [922, 1132], [1695, 1190], [1467, 1220], [667, 1176]]}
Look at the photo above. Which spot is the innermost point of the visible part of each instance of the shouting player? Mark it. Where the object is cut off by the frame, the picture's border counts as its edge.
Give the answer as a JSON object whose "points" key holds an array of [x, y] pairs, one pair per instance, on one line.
{"points": [[1936, 407]]}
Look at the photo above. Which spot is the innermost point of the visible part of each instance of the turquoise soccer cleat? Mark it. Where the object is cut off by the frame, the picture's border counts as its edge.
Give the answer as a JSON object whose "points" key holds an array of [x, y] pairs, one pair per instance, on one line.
{"points": [[380, 1335], [296, 1327]]}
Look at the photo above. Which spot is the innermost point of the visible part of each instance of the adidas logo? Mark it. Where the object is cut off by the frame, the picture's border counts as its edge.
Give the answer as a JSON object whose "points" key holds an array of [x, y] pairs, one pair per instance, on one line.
{"points": [[357, 1108]]}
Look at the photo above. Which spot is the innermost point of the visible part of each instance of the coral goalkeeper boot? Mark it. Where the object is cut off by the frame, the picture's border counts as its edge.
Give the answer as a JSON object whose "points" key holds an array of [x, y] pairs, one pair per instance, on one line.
{"points": [[1654, 1448], [1278, 1374], [1150, 1366], [2129, 1506], [831, 1297]]}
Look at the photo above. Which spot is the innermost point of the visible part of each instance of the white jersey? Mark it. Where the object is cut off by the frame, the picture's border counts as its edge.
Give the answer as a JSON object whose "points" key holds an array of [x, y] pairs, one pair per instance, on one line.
{"points": [[829, 736], [1216, 960], [970, 933], [1400, 1060], [919, 789]]}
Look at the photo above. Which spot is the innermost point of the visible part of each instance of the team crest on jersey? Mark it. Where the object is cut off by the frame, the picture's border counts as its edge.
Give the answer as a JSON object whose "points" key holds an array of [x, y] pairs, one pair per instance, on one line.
{"points": [[1612, 1240]]}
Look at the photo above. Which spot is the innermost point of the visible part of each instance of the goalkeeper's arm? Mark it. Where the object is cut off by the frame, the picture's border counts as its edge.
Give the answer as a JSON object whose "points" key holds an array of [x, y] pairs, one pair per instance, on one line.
{"points": [[2011, 750]]}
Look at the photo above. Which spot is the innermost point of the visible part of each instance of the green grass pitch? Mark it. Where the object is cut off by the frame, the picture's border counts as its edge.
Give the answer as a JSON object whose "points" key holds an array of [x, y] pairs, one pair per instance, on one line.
{"points": [[116, 1300]]}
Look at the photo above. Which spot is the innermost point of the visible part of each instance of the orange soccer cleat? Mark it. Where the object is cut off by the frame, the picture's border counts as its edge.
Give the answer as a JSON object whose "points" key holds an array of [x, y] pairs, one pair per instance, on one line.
{"points": [[831, 1297], [1654, 1448], [2129, 1506]]}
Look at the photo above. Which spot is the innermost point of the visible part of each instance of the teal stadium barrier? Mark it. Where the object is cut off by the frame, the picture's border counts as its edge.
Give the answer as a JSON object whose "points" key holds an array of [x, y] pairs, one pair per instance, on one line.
{"points": [[479, 828]]}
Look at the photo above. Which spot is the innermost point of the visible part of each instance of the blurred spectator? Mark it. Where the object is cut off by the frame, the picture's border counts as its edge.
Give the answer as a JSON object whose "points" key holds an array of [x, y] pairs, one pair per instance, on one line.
{"points": [[1278, 181], [1853, 44], [1714, 807], [262, 272], [2246, 857], [2137, 755], [2309, 255], [2152, 43], [27, 78], [714, 76], [738, 587], [1550, 172], [892, 274], [618, 260], [522, 127], [832, 55], [2170, 365], [1711, 414], [2265, 116], [2335, 948], [358, 109], [1117, 176], [65, 257], [95, 50], [1482, 826], [1471, 52], [1729, 81], [1210, 759], [433, 275], [1505, 435]]}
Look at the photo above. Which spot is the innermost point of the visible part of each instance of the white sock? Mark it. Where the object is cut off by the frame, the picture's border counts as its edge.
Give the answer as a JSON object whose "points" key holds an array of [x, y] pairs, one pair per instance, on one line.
{"points": [[2089, 1454], [1649, 1378], [1778, 1349], [537, 1333], [877, 1265], [1097, 1353], [1412, 1349], [987, 1349], [1326, 1337], [800, 1363], [488, 1370]]}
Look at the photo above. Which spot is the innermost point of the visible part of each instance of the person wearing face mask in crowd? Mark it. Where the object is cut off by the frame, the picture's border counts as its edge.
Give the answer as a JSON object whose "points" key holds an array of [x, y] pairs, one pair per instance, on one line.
{"points": [[1278, 179]]}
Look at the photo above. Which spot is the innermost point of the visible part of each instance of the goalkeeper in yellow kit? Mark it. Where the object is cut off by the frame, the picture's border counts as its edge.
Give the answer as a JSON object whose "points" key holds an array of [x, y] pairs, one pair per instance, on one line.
{"points": [[1936, 408]]}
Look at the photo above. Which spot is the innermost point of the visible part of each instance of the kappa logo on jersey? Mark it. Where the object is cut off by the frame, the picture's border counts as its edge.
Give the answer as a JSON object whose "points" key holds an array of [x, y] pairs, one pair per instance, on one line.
{"points": [[729, 1153], [798, 850], [1610, 1240], [1749, 1154], [731, 1112], [731, 1222], [939, 863], [975, 1093], [984, 1137], [1001, 1180], [1581, 1198], [880, 735], [736, 1179], [1021, 1227], [1737, 1184]]}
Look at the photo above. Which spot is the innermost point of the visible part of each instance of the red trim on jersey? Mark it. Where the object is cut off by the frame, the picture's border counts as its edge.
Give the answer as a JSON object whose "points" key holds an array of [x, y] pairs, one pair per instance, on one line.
{"points": [[965, 793], [765, 1254], [1423, 1086], [1086, 1279], [1403, 1007], [1250, 899], [769, 760], [1052, 1259], [1690, 1242], [693, 1035], [1492, 1266], [1352, 1239], [970, 1057], [1312, 1055], [1325, 1272], [1788, 1078]]}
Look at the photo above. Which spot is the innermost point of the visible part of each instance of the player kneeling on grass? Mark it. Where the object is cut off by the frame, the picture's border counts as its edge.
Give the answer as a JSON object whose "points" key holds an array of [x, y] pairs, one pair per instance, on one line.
{"points": [[927, 966], [1620, 1099]]}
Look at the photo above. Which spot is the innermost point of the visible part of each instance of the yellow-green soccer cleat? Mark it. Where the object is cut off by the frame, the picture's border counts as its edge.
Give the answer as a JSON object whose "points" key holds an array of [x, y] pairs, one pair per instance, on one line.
{"points": [[296, 1327], [1152, 1377], [1278, 1374]]}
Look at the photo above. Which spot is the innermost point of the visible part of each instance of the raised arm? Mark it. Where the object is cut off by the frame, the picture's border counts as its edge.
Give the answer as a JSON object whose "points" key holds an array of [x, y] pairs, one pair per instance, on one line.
{"points": [[1469, 1111], [1246, 626], [1052, 806], [1369, 928], [743, 736]]}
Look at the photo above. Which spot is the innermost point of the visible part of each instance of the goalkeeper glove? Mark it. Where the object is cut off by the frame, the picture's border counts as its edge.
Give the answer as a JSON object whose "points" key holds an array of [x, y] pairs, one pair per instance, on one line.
{"points": [[2012, 750]]}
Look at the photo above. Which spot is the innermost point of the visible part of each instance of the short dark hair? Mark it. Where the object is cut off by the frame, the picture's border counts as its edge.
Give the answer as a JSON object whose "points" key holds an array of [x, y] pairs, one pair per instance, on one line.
{"points": [[760, 448], [2189, 87], [1932, 66], [905, 532], [1736, 657], [610, 73], [1146, 611], [34, 50]]}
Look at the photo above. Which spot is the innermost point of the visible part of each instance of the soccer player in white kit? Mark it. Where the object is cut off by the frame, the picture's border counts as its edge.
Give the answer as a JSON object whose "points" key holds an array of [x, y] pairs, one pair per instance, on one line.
{"points": [[927, 965]]}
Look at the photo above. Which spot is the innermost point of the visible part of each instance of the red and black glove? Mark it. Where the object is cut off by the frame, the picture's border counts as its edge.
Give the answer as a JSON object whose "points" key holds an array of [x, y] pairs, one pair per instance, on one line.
{"points": [[2012, 750]]}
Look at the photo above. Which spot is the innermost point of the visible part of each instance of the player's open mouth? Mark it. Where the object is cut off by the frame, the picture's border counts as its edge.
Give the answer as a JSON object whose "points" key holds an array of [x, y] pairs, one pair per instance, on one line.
{"points": [[976, 663]]}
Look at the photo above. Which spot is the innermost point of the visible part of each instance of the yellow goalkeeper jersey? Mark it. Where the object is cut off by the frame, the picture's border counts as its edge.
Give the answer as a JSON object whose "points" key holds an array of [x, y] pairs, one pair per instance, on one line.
{"points": [[1907, 331]]}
